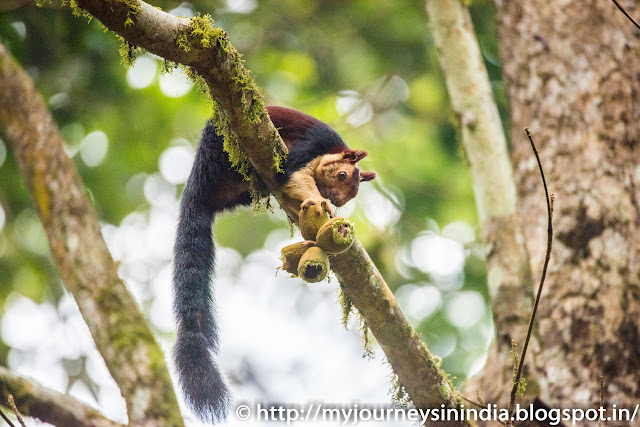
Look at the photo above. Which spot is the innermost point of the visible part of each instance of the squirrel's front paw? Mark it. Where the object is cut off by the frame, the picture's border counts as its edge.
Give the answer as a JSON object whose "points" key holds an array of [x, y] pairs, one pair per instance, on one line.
{"points": [[320, 204]]}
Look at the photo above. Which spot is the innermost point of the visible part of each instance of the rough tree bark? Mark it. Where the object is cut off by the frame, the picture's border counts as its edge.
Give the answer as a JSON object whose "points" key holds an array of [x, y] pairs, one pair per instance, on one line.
{"points": [[37, 401], [130, 351], [571, 72], [509, 275]]}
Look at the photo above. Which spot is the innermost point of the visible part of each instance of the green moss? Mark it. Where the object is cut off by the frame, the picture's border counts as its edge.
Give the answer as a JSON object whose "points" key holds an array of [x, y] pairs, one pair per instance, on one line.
{"points": [[367, 342], [202, 32], [437, 361], [253, 104], [183, 42], [237, 156], [134, 9], [128, 52], [127, 338], [398, 393], [522, 385], [521, 382], [373, 282], [279, 156], [200, 83], [75, 9], [168, 66], [260, 201], [445, 390], [347, 307], [446, 386], [134, 5]]}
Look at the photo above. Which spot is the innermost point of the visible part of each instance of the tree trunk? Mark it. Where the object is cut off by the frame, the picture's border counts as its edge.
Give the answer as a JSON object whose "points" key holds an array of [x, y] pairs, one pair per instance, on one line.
{"points": [[572, 73]]}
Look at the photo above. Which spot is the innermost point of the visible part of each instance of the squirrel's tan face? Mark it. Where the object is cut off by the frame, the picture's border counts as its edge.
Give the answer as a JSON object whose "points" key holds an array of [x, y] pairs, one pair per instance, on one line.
{"points": [[338, 176]]}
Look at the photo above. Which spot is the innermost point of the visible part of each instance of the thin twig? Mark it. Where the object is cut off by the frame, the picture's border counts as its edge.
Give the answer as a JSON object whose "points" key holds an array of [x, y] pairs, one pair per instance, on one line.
{"points": [[626, 14], [58, 409], [601, 396], [476, 404], [15, 410], [6, 419], [479, 398], [516, 380]]}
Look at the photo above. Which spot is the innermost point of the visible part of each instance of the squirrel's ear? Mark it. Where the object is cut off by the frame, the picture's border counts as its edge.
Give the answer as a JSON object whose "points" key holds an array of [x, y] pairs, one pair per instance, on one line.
{"points": [[354, 156], [367, 176]]}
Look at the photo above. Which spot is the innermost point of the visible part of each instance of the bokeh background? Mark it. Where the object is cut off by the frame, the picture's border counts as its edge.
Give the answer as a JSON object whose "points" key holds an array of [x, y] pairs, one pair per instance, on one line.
{"points": [[367, 68]]}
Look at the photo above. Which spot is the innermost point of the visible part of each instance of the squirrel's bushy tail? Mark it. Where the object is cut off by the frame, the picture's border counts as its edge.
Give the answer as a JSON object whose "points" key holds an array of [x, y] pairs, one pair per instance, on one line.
{"points": [[203, 384]]}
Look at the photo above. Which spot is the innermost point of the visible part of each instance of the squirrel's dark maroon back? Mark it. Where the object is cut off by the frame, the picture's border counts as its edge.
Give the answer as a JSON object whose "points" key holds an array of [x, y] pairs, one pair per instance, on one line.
{"points": [[306, 138]]}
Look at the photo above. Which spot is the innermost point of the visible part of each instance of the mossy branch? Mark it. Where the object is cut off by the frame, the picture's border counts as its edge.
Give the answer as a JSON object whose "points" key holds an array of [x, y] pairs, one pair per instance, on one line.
{"points": [[35, 400], [246, 119], [206, 51], [120, 332]]}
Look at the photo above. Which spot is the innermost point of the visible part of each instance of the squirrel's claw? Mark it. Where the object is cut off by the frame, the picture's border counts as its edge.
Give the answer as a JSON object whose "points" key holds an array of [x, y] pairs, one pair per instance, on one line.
{"points": [[320, 204]]}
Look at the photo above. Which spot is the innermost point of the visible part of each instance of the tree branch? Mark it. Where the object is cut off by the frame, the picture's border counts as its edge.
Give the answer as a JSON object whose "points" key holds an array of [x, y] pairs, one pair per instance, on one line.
{"points": [[119, 330], [208, 52], [35, 400], [220, 66], [626, 14], [509, 274]]}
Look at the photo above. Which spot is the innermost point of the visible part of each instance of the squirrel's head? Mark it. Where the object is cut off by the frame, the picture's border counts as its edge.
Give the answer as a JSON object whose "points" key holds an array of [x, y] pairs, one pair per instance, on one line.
{"points": [[338, 176]]}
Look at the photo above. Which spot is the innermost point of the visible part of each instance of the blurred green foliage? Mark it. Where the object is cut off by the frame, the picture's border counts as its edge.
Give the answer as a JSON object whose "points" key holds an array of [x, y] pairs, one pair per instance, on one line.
{"points": [[377, 56]]}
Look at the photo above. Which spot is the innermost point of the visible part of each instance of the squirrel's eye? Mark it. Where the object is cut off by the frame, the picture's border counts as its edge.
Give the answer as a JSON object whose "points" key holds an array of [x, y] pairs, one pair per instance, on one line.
{"points": [[342, 175]]}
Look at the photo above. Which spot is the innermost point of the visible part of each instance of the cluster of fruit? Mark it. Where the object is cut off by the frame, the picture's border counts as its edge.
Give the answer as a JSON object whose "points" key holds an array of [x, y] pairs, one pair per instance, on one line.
{"points": [[323, 236]]}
